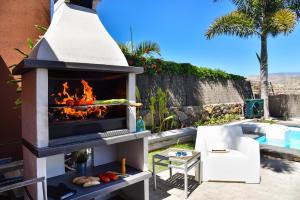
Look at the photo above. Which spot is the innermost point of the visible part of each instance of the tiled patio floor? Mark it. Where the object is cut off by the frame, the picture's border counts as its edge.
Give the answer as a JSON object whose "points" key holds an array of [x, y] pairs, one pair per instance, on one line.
{"points": [[280, 180]]}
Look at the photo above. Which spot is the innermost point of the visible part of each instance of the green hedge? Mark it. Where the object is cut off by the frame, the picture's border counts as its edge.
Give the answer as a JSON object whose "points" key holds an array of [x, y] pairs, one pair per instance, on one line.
{"points": [[201, 72], [157, 66]]}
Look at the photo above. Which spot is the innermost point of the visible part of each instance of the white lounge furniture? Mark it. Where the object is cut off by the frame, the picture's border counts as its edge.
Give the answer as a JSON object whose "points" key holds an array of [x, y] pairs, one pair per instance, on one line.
{"points": [[240, 162]]}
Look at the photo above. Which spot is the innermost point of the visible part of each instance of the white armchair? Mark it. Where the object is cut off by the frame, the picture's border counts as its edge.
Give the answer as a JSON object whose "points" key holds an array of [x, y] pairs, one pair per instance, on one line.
{"points": [[242, 161]]}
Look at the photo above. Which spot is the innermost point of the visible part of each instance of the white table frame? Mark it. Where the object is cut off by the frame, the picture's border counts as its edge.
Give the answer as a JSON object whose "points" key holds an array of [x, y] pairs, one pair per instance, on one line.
{"points": [[185, 165]]}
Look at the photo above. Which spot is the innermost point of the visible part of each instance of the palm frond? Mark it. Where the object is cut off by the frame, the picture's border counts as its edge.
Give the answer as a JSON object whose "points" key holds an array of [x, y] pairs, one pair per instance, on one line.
{"points": [[12, 66], [18, 103], [283, 21], [235, 23], [243, 5], [137, 94], [21, 52], [293, 5], [41, 28], [147, 48], [124, 48], [258, 58], [30, 43]]}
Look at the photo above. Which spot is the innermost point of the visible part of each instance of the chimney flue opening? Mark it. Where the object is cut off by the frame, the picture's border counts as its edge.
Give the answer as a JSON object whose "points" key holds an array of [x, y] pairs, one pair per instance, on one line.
{"points": [[85, 3]]}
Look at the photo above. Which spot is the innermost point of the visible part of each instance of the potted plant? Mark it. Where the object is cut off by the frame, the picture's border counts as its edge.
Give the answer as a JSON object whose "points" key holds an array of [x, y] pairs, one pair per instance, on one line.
{"points": [[81, 158]]}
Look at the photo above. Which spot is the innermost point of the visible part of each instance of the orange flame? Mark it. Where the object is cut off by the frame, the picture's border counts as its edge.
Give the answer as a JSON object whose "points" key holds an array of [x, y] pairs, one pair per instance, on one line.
{"points": [[71, 101], [68, 97], [88, 96]]}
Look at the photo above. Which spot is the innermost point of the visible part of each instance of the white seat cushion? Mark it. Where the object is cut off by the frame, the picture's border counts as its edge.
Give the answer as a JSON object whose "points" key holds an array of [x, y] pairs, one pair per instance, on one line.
{"points": [[226, 166]]}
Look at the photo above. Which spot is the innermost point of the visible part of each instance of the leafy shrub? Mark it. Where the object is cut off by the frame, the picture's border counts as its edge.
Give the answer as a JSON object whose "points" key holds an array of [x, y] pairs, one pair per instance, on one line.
{"points": [[218, 120], [155, 66], [158, 108], [152, 111]]}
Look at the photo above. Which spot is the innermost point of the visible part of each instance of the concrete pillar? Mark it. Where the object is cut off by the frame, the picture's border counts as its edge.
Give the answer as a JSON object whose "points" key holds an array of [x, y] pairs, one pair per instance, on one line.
{"points": [[131, 113]]}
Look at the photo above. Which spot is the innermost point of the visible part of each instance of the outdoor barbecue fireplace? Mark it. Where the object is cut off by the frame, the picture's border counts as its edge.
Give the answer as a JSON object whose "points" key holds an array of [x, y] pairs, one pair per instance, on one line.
{"points": [[73, 108], [78, 92]]}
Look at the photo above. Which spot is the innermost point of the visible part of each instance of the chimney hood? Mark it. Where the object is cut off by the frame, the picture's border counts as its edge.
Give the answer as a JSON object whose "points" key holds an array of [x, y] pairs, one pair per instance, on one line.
{"points": [[76, 34], [76, 40]]}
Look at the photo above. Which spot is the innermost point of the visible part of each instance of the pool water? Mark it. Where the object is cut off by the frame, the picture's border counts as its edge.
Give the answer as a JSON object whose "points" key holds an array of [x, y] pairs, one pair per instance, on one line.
{"points": [[290, 141]]}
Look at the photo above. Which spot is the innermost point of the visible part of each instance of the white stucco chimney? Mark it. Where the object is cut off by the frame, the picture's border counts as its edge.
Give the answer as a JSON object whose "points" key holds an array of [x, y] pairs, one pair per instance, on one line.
{"points": [[76, 34]]}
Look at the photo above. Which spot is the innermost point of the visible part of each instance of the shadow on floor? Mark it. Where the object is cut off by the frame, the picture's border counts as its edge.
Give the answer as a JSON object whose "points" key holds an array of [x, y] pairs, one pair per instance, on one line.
{"points": [[176, 181], [276, 164]]}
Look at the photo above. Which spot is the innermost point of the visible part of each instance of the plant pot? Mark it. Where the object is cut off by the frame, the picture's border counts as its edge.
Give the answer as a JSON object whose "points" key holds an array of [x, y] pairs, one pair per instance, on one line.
{"points": [[81, 168]]}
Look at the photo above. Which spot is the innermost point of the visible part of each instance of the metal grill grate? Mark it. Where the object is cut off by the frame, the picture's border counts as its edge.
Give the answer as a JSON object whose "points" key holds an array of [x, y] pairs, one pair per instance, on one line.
{"points": [[114, 133]]}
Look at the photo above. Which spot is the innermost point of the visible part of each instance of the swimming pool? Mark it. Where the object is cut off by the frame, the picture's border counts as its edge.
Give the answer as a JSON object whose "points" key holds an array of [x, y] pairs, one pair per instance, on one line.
{"points": [[290, 139]]}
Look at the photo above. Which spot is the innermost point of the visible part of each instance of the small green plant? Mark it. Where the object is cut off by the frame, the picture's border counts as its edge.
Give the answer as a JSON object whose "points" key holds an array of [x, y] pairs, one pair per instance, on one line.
{"points": [[30, 44], [162, 104], [168, 123], [138, 99], [158, 108], [269, 121], [152, 111], [218, 120], [81, 156], [286, 116]]}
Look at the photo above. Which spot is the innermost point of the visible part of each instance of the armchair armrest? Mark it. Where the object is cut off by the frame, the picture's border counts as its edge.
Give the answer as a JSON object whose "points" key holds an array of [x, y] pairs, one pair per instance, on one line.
{"points": [[201, 147], [250, 148]]}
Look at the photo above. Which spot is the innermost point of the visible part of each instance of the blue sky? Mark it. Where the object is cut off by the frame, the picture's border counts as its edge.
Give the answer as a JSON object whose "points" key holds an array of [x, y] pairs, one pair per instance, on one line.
{"points": [[179, 27]]}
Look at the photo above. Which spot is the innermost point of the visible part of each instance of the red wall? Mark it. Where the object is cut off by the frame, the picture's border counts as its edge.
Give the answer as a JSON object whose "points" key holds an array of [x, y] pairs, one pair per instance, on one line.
{"points": [[17, 20]]}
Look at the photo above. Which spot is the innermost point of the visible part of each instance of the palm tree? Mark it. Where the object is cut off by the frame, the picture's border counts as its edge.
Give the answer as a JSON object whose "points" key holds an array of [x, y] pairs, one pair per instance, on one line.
{"points": [[260, 18], [142, 49]]}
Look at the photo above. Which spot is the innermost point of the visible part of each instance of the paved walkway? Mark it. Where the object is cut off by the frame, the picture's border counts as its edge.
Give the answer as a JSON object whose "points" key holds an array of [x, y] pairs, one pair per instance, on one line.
{"points": [[280, 180]]}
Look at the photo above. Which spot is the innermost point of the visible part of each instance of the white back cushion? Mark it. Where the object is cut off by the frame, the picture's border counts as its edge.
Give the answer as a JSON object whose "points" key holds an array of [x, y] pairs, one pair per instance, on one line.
{"points": [[212, 136], [219, 137], [232, 136]]}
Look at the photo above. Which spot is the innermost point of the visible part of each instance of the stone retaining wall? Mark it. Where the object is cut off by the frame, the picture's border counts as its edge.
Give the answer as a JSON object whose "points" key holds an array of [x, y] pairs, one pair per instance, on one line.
{"points": [[287, 106], [193, 91], [187, 115], [193, 99]]}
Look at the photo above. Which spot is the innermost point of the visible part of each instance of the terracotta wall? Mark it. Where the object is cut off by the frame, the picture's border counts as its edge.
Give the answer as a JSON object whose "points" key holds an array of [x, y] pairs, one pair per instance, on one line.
{"points": [[17, 20]]}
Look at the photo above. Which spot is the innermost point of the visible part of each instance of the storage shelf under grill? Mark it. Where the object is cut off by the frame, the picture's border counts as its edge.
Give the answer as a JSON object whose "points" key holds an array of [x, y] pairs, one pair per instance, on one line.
{"points": [[104, 188]]}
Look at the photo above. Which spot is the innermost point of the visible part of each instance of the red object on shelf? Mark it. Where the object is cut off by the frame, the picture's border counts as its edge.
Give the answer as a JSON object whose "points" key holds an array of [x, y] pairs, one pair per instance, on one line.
{"points": [[108, 176], [104, 178], [112, 176]]}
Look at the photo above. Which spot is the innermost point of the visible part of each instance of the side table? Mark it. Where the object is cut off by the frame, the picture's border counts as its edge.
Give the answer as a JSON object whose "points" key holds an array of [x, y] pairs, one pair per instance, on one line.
{"points": [[184, 163]]}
